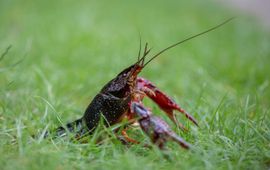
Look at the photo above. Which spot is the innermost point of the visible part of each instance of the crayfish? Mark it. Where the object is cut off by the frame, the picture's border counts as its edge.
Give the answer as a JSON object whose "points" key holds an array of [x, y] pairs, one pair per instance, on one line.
{"points": [[121, 98]]}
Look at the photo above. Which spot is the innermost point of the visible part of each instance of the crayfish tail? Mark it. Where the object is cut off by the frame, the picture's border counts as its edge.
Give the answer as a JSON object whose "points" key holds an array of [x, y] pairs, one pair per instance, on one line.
{"points": [[76, 128]]}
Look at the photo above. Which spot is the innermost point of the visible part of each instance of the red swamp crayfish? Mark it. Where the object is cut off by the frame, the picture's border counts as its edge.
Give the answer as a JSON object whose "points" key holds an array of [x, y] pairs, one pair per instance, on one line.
{"points": [[121, 98]]}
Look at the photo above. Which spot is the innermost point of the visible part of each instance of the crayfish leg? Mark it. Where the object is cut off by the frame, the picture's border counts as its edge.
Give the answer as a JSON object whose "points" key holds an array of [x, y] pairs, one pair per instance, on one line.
{"points": [[163, 100], [127, 138], [124, 138]]}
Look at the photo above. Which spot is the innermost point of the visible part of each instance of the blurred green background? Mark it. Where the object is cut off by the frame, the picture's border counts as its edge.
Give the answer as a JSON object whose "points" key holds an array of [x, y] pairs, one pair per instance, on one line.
{"points": [[67, 50]]}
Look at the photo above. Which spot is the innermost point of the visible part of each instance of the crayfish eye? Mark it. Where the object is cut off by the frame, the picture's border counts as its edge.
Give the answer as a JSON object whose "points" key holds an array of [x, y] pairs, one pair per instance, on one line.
{"points": [[124, 74]]}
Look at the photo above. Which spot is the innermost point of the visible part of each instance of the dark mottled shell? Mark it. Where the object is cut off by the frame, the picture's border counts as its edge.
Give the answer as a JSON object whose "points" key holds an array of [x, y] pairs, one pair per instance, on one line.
{"points": [[110, 106]]}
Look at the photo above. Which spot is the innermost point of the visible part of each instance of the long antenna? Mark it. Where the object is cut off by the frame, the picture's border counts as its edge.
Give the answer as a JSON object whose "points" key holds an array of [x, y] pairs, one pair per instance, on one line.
{"points": [[189, 38], [139, 55]]}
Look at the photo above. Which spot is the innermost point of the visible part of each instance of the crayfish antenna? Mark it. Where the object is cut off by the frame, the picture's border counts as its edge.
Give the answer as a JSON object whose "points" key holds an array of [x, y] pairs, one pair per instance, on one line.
{"points": [[140, 48], [187, 39], [145, 53]]}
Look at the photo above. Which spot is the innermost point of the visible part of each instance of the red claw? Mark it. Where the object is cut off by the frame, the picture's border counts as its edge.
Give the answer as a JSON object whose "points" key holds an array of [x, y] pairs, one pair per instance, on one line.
{"points": [[163, 100]]}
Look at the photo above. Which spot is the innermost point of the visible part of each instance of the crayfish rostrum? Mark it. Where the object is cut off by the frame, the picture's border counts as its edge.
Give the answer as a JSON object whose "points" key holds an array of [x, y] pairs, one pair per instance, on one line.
{"points": [[121, 98]]}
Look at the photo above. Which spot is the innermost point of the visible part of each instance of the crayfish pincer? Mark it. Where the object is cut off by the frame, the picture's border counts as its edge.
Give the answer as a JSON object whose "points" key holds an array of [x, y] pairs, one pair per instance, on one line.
{"points": [[157, 129], [121, 98]]}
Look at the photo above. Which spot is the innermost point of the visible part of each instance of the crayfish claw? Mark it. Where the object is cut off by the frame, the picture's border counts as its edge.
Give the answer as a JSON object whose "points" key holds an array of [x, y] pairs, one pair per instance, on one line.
{"points": [[167, 104], [179, 140], [156, 128], [189, 116]]}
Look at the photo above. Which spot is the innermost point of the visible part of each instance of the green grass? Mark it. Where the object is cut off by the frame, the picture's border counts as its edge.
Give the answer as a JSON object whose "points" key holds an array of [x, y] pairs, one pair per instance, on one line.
{"points": [[70, 49]]}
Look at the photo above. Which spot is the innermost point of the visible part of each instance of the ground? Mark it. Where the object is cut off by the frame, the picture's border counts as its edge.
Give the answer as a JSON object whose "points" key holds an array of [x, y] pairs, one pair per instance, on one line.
{"points": [[63, 52]]}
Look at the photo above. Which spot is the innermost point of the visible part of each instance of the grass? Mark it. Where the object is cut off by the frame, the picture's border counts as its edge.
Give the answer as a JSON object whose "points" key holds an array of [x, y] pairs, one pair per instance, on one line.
{"points": [[66, 51]]}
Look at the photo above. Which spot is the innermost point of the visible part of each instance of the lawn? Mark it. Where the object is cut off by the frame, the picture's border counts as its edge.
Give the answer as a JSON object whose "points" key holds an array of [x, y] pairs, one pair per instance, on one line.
{"points": [[64, 52]]}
